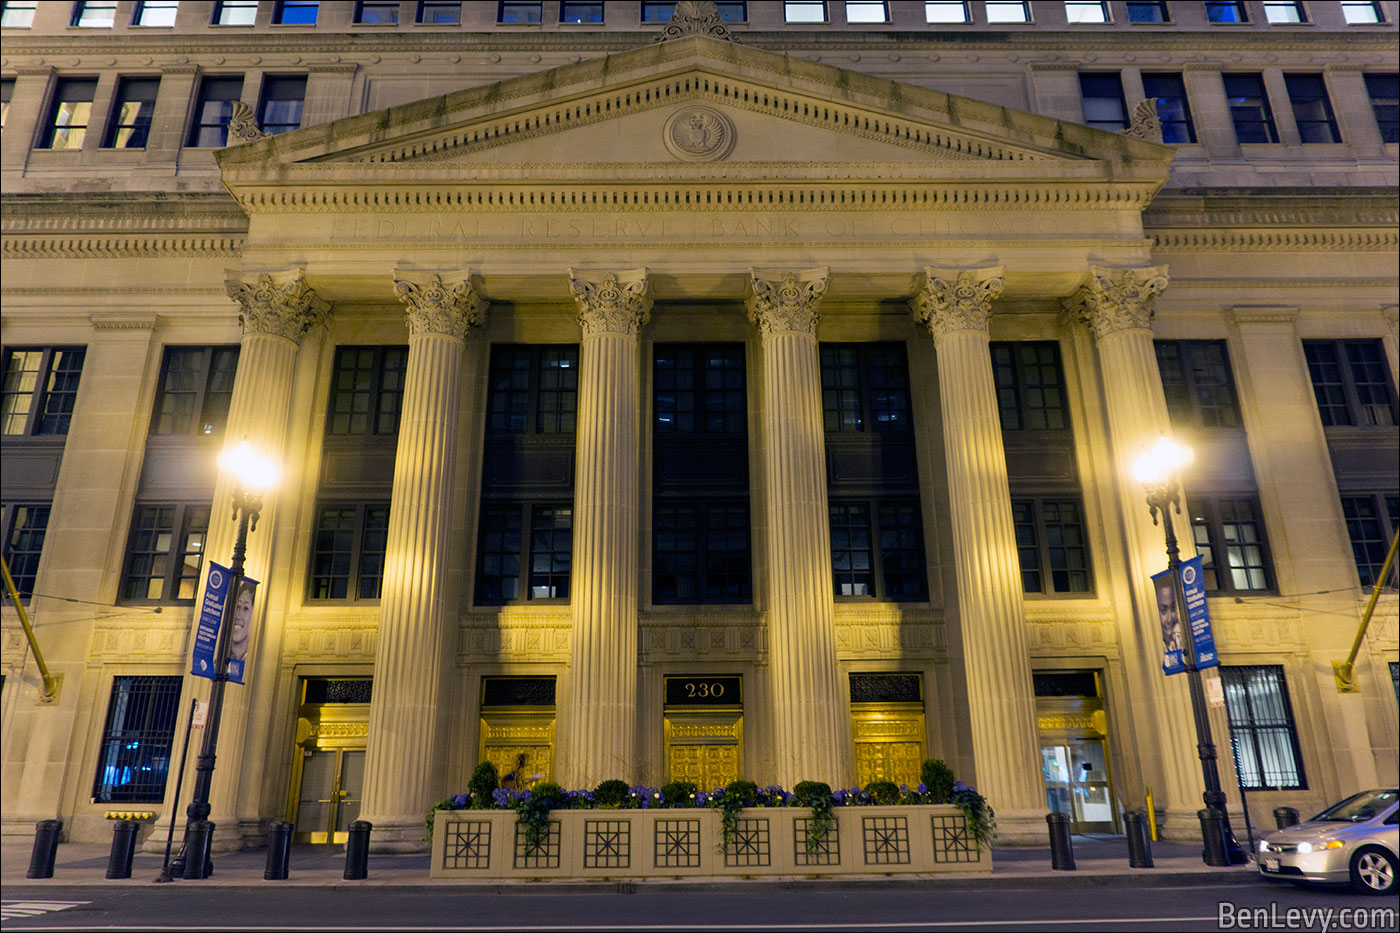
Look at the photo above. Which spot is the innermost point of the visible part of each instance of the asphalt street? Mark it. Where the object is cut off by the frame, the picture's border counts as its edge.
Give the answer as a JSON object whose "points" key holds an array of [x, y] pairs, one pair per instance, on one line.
{"points": [[811, 905]]}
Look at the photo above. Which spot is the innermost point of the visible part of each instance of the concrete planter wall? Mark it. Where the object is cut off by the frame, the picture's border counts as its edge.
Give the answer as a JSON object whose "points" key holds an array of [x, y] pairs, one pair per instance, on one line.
{"points": [[687, 843]]}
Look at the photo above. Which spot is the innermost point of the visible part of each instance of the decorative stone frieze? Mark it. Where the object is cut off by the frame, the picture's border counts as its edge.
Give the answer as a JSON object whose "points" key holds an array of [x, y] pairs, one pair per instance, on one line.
{"points": [[787, 302], [954, 300], [1146, 124], [699, 134], [243, 125], [440, 305], [695, 18], [617, 303], [1118, 299], [277, 303]]}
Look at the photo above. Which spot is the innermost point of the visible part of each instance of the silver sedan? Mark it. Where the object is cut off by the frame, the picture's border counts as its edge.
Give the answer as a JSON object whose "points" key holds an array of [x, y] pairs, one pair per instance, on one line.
{"points": [[1354, 842]]}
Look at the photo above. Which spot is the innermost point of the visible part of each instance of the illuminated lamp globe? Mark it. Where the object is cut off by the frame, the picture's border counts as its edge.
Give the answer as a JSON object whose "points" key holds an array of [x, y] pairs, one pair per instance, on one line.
{"points": [[253, 471], [1166, 458]]}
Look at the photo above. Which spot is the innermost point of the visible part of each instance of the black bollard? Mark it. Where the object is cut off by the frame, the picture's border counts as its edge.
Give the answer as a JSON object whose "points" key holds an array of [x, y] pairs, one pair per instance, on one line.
{"points": [[1139, 839], [1213, 836], [357, 851], [198, 841], [1061, 848], [123, 848], [1285, 817], [279, 850], [41, 860]]}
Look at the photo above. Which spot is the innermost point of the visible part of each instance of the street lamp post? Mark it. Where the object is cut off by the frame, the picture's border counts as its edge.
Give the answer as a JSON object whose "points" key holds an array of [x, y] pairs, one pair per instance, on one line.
{"points": [[253, 475], [1158, 470]]}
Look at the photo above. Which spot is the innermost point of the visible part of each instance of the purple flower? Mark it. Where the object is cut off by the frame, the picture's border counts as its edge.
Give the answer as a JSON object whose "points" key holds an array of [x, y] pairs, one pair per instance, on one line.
{"points": [[959, 786], [459, 802], [922, 788], [502, 796]]}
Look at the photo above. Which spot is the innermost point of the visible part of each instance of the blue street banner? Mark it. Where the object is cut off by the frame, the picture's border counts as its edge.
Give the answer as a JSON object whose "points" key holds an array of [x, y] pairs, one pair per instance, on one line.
{"points": [[242, 628], [211, 615], [1197, 617]]}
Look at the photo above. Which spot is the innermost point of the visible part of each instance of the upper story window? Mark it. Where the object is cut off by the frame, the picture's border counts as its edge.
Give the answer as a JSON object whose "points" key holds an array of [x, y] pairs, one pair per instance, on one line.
{"points": [[1362, 12], [347, 552], [867, 11], [18, 14], [579, 11], [1384, 90], [865, 387], [1051, 545], [659, 11], [1196, 380], [520, 11], [129, 123], [1226, 11], [1154, 11], [1350, 382], [7, 90], [67, 125], [700, 389], [295, 12], [1249, 108], [533, 390], [944, 11], [40, 386], [1008, 11], [378, 12], [165, 551], [1030, 386], [1104, 106], [1173, 108], [367, 391], [155, 13], [1372, 521], [438, 12], [1086, 11], [1284, 11], [1311, 109], [94, 14], [283, 97], [1229, 536], [196, 387], [214, 107], [804, 11], [525, 552], [877, 549], [24, 525], [235, 12]]}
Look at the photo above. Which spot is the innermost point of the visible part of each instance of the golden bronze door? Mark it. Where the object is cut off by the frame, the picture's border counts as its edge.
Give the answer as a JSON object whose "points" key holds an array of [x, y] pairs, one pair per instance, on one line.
{"points": [[517, 729], [888, 727], [328, 759], [703, 730]]}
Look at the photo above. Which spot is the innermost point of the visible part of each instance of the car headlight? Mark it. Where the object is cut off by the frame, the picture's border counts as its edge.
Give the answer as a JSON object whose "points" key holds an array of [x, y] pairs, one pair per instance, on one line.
{"points": [[1263, 845], [1304, 848]]}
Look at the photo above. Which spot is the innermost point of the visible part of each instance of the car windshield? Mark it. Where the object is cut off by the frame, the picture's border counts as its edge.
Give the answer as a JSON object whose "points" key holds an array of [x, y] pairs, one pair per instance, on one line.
{"points": [[1359, 808]]}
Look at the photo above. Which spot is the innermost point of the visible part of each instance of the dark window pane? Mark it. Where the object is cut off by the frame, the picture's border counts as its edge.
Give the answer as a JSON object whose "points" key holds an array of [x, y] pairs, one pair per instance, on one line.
{"points": [[296, 12], [498, 555], [551, 552], [440, 12], [377, 12], [24, 544], [65, 369], [129, 125], [1325, 370], [283, 97], [852, 563], [902, 551], [1104, 106], [1173, 107], [133, 758], [1312, 110], [213, 109], [1384, 91], [1249, 108]]}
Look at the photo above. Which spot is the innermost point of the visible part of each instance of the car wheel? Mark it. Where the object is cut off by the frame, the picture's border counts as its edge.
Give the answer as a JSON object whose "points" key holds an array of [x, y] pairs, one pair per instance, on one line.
{"points": [[1373, 872]]}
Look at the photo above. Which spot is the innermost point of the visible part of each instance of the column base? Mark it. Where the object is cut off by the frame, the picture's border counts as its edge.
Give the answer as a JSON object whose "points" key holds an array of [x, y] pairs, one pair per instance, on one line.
{"points": [[398, 835], [1180, 825], [14, 828], [1021, 828]]}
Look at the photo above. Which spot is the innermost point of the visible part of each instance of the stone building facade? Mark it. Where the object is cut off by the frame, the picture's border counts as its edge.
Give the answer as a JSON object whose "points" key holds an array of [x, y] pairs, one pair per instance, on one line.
{"points": [[749, 393]]}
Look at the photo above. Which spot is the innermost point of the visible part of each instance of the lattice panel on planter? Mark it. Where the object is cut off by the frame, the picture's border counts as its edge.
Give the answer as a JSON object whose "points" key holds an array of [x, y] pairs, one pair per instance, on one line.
{"points": [[953, 842], [886, 840], [543, 854], [677, 844], [468, 845], [607, 844], [749, 847], [825, 851]]}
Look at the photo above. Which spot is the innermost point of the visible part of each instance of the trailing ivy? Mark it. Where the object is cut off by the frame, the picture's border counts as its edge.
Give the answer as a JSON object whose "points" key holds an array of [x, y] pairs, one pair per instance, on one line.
{"points": [[729, 801], [817, 795]]}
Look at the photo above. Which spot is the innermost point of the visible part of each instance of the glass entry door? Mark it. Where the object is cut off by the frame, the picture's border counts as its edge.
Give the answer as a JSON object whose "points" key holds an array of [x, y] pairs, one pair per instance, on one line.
{"points": [[328, 799], [1077, 783]]}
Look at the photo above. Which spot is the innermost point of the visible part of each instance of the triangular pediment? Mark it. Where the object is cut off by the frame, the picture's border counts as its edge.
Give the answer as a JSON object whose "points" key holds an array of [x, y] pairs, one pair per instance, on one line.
{"points": [[699, 105]]}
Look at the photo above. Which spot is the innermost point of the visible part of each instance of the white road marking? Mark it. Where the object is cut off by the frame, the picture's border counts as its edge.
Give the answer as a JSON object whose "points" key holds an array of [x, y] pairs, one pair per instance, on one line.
{"points": [[605, 928], [14, 910]]}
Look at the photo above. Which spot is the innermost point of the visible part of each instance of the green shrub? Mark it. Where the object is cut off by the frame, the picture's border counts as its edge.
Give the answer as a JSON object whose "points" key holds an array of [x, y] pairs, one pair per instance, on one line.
{"points": [[482, 785], [610, 795], [817, 795], [883, 792], [938, 778], [548, 793], [808, 793], [745, 792], [679, 793]]}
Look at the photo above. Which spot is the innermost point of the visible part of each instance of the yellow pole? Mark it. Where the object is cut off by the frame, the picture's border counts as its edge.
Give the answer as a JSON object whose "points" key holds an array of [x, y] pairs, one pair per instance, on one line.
{"points": [[50, 687], [1344, 670], [1151, 815]]}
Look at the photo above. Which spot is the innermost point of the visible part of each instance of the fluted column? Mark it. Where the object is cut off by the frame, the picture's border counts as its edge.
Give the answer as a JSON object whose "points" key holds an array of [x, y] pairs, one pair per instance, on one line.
{"points": [[599, 722], [1117, 306], [275, 310], [955, 306], [812, 725], [401, 756]]}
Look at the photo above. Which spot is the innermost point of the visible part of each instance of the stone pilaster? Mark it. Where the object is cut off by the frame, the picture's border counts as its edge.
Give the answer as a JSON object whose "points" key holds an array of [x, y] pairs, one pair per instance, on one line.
{"points": [[275, 310], [400, 777], [1116, 304], [599, 722], [812, 724], [955, 306]]}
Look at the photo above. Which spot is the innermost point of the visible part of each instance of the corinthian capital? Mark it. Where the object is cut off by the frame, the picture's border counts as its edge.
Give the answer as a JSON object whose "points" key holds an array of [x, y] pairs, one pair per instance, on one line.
{"points": [[617, 303], [277, 303], [1117, 299], [787, 302], [440, 304], [955, 300]]}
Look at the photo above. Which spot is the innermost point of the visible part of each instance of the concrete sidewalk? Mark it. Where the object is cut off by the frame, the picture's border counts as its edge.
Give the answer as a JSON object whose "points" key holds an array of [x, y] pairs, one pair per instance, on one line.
{"points": [[1101, 860]]}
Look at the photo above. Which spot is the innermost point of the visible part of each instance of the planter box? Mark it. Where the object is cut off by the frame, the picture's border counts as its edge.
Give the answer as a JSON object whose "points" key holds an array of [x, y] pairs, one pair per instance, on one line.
{"points": [[686, 843]]}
